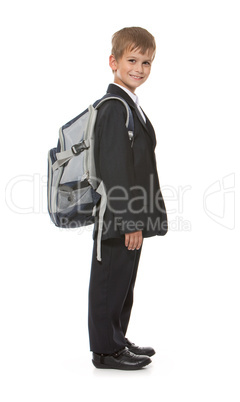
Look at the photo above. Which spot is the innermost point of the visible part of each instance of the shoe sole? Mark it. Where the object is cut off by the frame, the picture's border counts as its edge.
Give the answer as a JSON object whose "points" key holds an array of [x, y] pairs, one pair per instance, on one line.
{"points": [[104, 366]]}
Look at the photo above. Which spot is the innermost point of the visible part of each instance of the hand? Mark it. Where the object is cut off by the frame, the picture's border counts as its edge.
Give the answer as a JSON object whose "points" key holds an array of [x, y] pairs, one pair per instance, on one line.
{"points": [[133, 240]]}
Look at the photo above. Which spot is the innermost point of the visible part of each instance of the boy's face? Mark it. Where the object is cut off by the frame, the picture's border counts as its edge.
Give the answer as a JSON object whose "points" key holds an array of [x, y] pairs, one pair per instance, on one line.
{"points": [[132, 69]]}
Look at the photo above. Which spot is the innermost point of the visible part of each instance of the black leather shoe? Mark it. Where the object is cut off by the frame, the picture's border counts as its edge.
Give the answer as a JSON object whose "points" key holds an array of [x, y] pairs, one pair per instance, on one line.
{"points": [[137, 350], [121, 360]]}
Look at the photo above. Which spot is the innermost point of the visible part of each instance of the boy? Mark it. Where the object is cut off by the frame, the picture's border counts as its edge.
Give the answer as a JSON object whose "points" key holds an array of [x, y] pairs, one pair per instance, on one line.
{"points": [[135, 206]]}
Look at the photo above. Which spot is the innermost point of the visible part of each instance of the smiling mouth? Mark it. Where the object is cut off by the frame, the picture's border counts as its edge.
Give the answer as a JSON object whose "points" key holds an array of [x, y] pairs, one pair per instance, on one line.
{"points": [[136, 77]]}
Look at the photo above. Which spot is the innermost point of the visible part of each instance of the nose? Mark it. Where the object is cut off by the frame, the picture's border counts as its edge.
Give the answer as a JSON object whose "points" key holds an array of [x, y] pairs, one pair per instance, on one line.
{"points": [[139, 68]]}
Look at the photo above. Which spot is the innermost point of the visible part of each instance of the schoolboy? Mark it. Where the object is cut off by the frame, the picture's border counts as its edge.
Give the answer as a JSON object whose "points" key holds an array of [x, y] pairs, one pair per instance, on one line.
{"points": [[135, 207]]}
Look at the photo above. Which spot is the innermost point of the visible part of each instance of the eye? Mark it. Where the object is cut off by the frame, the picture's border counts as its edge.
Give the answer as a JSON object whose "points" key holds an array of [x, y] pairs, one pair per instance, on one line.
{"points": [[147, 63], [132, 60]]}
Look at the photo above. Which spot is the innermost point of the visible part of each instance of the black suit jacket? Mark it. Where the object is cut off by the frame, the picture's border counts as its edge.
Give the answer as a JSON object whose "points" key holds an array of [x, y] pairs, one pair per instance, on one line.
{"points": [[129, 174]]}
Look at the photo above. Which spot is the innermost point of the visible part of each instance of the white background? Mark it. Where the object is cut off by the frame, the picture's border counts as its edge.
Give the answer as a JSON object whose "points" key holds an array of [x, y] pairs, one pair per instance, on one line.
{"points": [[54, 64]]}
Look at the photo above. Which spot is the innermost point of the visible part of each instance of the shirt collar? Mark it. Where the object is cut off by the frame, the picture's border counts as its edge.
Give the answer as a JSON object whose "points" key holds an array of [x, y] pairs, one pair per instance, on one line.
{"points": [[132, 95]]}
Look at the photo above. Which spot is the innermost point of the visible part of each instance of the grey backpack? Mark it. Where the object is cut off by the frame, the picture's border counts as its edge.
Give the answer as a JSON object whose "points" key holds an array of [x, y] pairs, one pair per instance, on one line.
{"points": [[74, 191]]}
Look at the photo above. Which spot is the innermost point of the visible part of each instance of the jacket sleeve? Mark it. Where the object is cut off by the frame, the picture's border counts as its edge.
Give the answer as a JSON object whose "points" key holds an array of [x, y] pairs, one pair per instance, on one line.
{"points": [[116, 166]]}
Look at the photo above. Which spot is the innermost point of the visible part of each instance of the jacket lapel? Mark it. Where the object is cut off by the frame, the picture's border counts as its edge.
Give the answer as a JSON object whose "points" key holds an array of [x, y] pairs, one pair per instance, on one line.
{"points": [[114, 89]]}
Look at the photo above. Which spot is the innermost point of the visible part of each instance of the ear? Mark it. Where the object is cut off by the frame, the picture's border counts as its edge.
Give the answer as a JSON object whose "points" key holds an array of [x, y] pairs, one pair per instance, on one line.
{"points": [[112, 62]]}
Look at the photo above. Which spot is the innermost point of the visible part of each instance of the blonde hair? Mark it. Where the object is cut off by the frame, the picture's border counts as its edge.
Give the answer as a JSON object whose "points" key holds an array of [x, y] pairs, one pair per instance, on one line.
{"points": [[131, 39]]}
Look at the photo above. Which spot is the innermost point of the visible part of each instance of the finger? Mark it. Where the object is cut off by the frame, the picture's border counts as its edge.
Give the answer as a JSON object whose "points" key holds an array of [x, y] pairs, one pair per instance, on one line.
{"points": [[126, 239], [139, 242], [132, 242]]}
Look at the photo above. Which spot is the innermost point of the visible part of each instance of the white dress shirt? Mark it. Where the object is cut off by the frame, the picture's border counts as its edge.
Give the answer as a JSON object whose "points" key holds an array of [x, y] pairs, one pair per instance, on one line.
{"points": [[134, 98]]}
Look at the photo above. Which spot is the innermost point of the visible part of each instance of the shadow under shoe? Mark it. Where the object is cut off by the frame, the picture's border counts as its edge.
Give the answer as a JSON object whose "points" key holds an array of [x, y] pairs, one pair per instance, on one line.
{"points": [[124, 359]]}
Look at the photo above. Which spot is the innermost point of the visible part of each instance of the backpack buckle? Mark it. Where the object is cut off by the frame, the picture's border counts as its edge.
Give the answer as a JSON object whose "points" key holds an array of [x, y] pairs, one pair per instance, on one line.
{"points": [[130, 135], [78, 148]]}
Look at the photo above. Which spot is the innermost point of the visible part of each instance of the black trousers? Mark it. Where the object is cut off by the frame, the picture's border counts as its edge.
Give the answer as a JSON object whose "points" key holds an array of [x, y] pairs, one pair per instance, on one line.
{"points": [[111, 295]]}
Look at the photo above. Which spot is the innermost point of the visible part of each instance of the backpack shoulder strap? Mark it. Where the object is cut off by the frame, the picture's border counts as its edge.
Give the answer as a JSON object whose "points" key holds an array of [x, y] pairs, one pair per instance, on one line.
{"points": [[129, 120], [65, 156]]}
